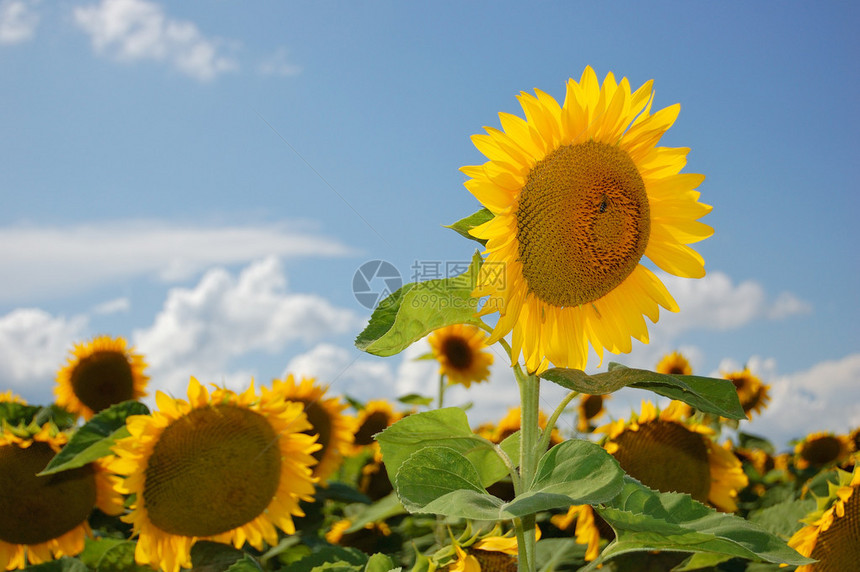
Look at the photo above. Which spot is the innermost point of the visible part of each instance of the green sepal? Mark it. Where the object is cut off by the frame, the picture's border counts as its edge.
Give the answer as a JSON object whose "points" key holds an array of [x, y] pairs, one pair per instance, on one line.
{"points": [[95, 439], [448, 427], [463, 226], [645, 520], [418, 308], [381, 563], [708, 394]]}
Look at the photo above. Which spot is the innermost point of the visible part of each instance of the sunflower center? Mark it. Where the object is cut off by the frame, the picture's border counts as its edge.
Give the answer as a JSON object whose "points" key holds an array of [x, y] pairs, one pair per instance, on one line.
{"points": [[320, 420], [103, 379], [666, 456], [592, 405], [212, 470], [38, 509], [458, 352], [492, 561], [838, 547], [818, 452], [583, 223], [375, 422]]}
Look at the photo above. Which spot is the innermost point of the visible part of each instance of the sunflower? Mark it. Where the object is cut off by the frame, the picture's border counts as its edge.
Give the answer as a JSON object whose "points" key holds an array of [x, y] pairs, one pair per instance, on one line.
{"points": [[460, 351], [586, 532], [99, 374], [375, 416], [226, 468], [43, 518], [373, 480], [668, 454], [821, 449], [674, 363], [489, 552], [752, 393], [510, 424], [369, 539], [334, 431], [580, 193], [9, 397], [832, 534], [590, 407]]}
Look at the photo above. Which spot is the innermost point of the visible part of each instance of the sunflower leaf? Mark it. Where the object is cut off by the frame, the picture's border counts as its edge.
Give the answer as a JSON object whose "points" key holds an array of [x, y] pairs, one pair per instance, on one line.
{"points": [[417, 309], [463, 226], [447, 427], [95, 439], [645, 520], [708, 394], [64, 564]]}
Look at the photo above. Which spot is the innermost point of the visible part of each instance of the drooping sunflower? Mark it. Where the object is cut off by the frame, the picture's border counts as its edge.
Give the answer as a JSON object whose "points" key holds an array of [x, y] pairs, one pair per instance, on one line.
{"points": [[590, 408], [376, 415], [99, 374], [334, 430], [832, 534], [752, 393], [668, 454], [43, 518], [821, 449], [674, 363], [580, 193], [227, 468], [586, 531], [488, 552], [462, 353]]}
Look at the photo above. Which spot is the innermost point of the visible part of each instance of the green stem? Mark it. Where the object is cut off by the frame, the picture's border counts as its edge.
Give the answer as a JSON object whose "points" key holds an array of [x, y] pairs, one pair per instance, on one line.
{"points": [[547, 433], [441, 391], [529, 455]]}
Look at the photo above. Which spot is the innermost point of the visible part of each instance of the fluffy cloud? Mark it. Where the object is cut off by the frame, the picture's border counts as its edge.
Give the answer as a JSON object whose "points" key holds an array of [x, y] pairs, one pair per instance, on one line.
{"points": [[96, 254], [33, 347], [278, 64], [203, 331], [18, 21], [132, 30]]}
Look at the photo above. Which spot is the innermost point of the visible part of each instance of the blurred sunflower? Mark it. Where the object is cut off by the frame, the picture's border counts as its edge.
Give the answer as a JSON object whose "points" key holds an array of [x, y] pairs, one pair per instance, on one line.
{"points": [[9, 397], [43, 518], [511, 423], [586, 531], [669, 454], [674, 363], [821, 449], [832, 534], [99, 374], [374, 481], [227, 468], [462, 353], [580, 193], [590, 408], [370, 539], [334, 431], [752, 393], [489, 552], [376, 415]]}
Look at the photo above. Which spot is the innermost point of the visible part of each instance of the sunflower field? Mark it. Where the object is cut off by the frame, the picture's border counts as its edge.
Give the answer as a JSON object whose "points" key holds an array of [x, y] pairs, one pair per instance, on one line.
{"points": [[286, 475]]}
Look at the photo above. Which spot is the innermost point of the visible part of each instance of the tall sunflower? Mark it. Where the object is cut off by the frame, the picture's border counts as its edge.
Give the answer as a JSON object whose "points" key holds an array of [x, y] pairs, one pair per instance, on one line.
{"points": [[99, 374], [832, 534], [752, 392], [334, 430], [580, 193], [462, 353], [227, 468], [667, 453], [42, 518], [674, 363]]}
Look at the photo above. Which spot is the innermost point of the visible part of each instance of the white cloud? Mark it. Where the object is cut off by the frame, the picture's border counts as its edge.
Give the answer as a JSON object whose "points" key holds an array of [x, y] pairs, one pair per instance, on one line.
{"points": [[346, 371], [33, 347], [132, 30], [18, 21], [203, 330], [278, 64], [114, 306], [95, 254], [716, 303]]}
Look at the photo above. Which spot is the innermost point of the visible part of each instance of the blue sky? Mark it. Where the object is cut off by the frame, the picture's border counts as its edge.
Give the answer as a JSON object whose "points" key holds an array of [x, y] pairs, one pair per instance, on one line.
{"points": [[205, 180]]}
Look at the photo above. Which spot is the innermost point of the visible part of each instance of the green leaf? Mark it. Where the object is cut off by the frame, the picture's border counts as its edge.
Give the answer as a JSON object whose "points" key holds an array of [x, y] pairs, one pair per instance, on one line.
{"points": [[463, 226], [644, 519], [783, 519], [572, 472], [440, 480], [447, 427], [708, 394], [380, 511], [95, 439], [417, 309], [415, 399], [117, 555], [16, 414], [64, 564], [326, 555], [701, 560], [380, 563], [217, 557], [246, 564]]}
